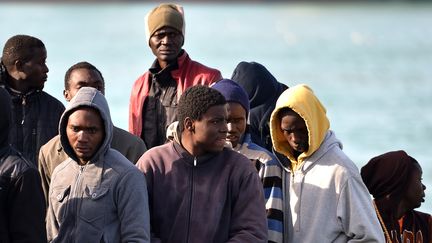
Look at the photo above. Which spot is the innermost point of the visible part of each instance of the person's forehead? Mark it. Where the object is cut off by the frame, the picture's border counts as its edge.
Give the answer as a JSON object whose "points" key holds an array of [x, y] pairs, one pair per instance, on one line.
{"points": [[36, 52], [85, 73], [216, 111], [84, 112], [166, 29], [235, 105]]}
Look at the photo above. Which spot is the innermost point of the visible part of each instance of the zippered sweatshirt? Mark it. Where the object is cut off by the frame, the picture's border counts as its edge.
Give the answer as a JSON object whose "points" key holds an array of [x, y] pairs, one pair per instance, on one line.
{"points": [[22, 206], [102, 201], [35, 119], [324, 196], [216, 198]]}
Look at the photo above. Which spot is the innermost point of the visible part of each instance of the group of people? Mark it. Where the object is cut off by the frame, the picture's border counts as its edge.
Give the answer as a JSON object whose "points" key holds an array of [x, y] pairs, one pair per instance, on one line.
{"points": [[206, 158]]}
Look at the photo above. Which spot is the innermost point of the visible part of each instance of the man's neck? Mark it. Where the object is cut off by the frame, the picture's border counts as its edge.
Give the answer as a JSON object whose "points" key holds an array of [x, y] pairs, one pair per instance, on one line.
{"points": [[18, 86], [188, 145]]}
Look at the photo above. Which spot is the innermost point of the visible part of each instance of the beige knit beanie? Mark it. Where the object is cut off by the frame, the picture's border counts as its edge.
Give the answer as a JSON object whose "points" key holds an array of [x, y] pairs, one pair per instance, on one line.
{"points": [[166, 14]]}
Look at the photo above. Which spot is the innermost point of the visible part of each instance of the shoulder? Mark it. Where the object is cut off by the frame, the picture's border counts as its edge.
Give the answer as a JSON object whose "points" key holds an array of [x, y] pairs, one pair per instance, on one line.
{"points": [[159, 153], [422, 215], [236, 161], [51, 100], [333, 165], [198, 69], [120, 164], [331, 154], [143, 77], [157, 157], [52, 146], [14, 164], [256, 152], [124, 136], [117, 161], [203, 68], [62, 168]]}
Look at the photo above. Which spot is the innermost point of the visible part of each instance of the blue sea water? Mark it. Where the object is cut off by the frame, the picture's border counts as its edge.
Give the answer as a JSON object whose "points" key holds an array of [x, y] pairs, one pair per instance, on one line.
{"points": [[370, 64]]}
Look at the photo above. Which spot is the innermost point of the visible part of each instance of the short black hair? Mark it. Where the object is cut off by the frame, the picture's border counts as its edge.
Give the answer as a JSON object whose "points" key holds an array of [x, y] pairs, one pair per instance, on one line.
{"points": [[17, 48], [84, 65], [195, 101]]}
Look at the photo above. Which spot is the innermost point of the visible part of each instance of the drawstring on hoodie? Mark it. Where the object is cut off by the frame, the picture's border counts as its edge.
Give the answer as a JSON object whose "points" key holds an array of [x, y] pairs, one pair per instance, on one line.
{"points": [[195, 161]]}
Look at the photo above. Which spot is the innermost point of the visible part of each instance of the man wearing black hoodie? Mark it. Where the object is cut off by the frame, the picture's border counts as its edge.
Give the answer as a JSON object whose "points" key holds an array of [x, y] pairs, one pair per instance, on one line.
{"points": [[22, 205], [263, 90]]}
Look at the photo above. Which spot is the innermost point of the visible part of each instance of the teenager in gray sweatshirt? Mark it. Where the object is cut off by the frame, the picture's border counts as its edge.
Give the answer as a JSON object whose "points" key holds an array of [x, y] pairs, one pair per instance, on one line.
{"points": [[96, 195]]}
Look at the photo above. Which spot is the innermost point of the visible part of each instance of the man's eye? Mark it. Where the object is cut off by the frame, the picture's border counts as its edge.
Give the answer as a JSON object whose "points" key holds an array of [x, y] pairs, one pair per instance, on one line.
{"points": [[159, 36], [92, 130]]}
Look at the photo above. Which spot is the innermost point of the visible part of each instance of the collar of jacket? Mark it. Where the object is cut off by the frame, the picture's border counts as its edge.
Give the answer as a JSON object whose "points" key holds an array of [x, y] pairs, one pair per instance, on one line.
{"points": [[189, 159], [17, 93], [155, 68], [93, 168]]}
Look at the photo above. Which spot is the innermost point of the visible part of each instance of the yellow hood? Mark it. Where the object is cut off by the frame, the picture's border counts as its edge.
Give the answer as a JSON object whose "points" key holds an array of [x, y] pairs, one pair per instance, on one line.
{"points": [[303, 101]]}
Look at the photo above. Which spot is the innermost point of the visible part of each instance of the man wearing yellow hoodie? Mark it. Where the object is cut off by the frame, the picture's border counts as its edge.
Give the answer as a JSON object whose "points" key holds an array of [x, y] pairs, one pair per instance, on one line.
{"points": [[324, 197]]}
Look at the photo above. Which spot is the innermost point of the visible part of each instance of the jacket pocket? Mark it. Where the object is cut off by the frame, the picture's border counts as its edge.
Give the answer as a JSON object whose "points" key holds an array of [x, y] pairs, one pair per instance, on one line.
{"points": [[59, 201], [94, 206]]}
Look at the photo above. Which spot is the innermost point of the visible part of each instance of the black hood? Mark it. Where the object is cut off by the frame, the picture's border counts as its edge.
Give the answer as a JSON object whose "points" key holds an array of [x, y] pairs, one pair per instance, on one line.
{"points": [[5, 117], [258, 82]]}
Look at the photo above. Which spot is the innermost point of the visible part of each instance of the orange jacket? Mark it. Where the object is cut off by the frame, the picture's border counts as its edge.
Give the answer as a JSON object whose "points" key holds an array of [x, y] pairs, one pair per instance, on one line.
{"points": [[188, 74]]}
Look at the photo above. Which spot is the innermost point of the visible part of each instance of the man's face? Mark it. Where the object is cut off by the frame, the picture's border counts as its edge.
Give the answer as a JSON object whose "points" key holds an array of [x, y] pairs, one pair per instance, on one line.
{"points": [[236, 122], [415, 194], [83, 77], [295, 132], [166, 44], [34, 72], [209, 133], [85, 132]]}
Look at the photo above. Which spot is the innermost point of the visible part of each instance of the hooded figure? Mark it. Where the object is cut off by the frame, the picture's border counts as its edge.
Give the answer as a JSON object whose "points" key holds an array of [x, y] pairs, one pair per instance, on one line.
{"points": [[324, 197], [263, 90], [394, 180], [22, 205], [98, 196]]}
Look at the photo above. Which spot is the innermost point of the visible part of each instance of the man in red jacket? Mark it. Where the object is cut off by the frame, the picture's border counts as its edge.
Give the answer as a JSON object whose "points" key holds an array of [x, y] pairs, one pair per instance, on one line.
{"points": [[154, 97]]}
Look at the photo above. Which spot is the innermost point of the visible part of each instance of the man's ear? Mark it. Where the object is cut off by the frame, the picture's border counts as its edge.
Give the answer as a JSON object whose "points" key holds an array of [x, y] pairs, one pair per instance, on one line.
{"points": [[189, 124], [67, 95], [19, 65]]}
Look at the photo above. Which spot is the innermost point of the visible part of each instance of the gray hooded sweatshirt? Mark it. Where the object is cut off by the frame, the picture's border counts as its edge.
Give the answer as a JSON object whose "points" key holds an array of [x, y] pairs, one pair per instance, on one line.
{"points": [[102, 201]]}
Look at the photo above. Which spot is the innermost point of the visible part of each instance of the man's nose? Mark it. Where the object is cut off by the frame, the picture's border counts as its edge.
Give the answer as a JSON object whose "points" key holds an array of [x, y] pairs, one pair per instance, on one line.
{"points": [[295, 137], [165, 40], [82, 136]]}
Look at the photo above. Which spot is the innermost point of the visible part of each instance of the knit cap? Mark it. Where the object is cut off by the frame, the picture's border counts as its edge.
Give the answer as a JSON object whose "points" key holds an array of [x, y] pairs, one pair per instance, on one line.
{"points": [[233, 92], [166, 14]]}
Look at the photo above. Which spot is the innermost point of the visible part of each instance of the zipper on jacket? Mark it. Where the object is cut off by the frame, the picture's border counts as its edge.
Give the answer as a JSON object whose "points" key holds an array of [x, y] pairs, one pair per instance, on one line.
{"points": [[23, 104], [190, 200], [75, 199]]}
